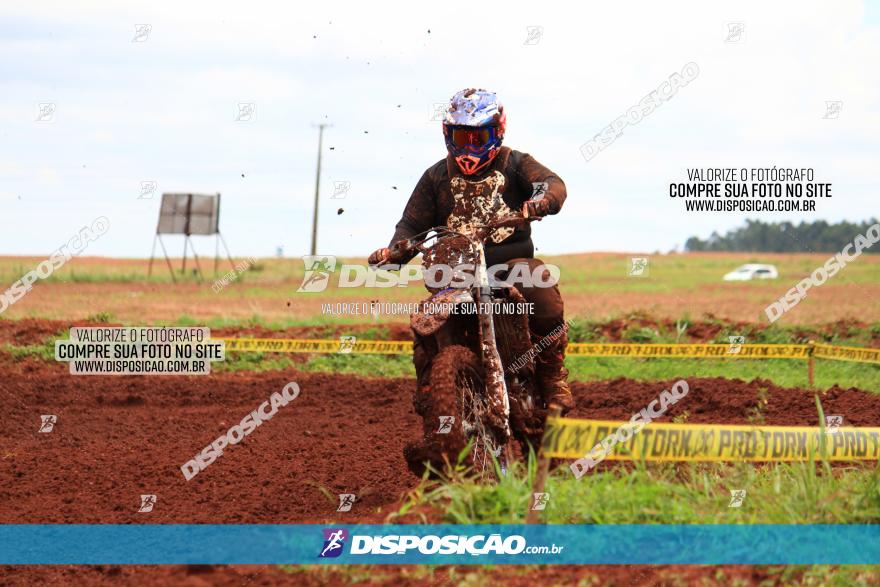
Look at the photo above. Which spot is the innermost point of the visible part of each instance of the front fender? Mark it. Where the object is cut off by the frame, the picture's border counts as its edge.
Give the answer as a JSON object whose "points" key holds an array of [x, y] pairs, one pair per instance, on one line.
{"points": [[435, 311]]}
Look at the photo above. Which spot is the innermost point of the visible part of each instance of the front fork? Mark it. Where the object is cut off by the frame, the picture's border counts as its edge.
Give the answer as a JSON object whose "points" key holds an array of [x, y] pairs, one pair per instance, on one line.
{"points": [[496, 386]]}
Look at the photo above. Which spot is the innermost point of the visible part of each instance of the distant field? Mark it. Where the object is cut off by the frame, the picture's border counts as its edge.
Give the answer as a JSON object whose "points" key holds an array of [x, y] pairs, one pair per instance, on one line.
{"points": [[594, 285]]}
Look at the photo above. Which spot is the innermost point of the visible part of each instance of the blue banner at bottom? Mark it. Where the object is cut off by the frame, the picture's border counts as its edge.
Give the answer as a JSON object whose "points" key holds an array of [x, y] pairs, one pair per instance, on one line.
{"points": [[438, 544]]}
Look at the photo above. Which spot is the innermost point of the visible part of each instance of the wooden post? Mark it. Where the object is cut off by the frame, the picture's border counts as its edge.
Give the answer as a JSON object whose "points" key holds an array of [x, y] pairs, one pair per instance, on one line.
{"points": [[217, 237], [314, 246], [225, 248], [167, 260], [183, 267], [189, 202], [152, 254], [810, 367], [540, 476], [196, 257]]}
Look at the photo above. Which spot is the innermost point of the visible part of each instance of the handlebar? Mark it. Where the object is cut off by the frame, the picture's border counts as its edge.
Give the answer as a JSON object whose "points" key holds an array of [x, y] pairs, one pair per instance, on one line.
{"points": [[405, 247], [401, 248]]}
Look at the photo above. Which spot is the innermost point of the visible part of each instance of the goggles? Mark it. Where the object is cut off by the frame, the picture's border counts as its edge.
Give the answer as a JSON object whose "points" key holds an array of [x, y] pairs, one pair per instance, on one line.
{"points": [[471, 138]]}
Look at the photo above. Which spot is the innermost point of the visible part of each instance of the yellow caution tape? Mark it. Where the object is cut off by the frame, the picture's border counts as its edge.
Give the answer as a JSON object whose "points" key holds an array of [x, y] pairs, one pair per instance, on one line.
{"points": [[720, 351], [846, 353], [576, 439], [342, 345], [576, 349]]}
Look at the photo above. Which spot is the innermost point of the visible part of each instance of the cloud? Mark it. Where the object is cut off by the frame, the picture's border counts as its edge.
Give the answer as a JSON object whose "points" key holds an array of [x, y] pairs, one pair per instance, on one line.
{"points": [[163, 110]]}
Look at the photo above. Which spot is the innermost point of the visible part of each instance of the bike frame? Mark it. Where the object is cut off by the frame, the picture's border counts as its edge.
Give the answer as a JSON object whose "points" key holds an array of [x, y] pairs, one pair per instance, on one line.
{"points": [[496, 386]]}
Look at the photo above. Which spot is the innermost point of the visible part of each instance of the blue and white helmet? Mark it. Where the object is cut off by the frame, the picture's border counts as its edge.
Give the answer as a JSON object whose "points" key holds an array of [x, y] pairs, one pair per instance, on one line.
{"points": [[474, 128]]}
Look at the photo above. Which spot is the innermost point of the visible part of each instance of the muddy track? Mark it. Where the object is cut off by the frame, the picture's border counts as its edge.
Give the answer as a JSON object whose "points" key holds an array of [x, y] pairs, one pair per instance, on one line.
{"points": [[120, 437]]}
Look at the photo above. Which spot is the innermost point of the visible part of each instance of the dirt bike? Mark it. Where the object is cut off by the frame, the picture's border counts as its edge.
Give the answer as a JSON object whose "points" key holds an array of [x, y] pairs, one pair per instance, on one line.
{"points": [[475, 373]]}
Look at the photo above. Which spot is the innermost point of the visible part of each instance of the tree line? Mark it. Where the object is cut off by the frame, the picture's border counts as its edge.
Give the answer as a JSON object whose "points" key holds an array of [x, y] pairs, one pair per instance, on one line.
{"points": [[783, 237]]}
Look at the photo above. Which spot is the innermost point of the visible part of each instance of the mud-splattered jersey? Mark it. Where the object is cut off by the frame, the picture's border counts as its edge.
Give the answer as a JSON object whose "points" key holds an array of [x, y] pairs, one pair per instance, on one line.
{"points": [[446, 197]]}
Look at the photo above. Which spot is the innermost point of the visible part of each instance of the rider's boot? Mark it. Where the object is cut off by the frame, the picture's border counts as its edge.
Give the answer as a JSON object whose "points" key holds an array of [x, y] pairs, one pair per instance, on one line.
{"points": [[551, 374]]}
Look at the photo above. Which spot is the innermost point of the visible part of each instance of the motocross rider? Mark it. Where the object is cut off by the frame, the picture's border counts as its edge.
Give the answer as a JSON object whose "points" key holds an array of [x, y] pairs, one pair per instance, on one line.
{"points": [[478, 181]]}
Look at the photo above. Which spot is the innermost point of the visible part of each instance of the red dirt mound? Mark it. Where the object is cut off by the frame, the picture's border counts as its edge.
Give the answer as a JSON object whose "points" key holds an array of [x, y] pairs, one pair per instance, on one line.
{"points": [[36, 330], [118, 437], [716, 400]]}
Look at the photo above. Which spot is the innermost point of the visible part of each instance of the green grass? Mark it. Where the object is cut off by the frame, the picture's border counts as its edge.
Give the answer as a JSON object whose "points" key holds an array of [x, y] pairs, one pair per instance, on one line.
{"points": [[671, 493], [663, 493], [44, 352], [364, 365], [822, 575], [120, 271], [783, 372], [583, 273], [688, 271], [476, 576]]}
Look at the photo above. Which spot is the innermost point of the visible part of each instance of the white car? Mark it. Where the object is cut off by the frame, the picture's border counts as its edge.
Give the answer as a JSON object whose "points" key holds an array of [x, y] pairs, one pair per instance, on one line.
{"points": [[752, 271]]}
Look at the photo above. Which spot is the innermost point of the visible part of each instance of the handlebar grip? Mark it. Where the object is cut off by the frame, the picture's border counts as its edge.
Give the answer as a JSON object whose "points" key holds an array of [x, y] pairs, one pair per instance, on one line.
{"points": [[399, 250]]}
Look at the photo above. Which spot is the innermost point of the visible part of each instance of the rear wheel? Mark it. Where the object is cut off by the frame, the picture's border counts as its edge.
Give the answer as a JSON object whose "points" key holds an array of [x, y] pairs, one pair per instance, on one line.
{"points": [[455, 413]]}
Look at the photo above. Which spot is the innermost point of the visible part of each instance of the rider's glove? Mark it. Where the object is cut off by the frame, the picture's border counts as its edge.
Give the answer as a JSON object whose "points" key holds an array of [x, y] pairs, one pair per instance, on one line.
{"points": [[379, 256], [536, 208]]}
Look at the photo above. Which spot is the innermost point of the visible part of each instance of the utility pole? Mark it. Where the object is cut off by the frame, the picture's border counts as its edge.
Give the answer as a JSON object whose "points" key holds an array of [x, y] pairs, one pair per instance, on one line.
{"points": [[317, 189]]}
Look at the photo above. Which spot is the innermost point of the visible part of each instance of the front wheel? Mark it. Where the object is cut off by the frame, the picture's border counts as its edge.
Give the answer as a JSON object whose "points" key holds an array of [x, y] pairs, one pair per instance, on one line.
{"points": [[456, 413]]}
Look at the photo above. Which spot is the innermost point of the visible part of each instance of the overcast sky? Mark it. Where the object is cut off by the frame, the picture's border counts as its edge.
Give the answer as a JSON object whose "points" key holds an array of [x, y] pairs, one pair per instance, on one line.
{"points": [[162, 107]]}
